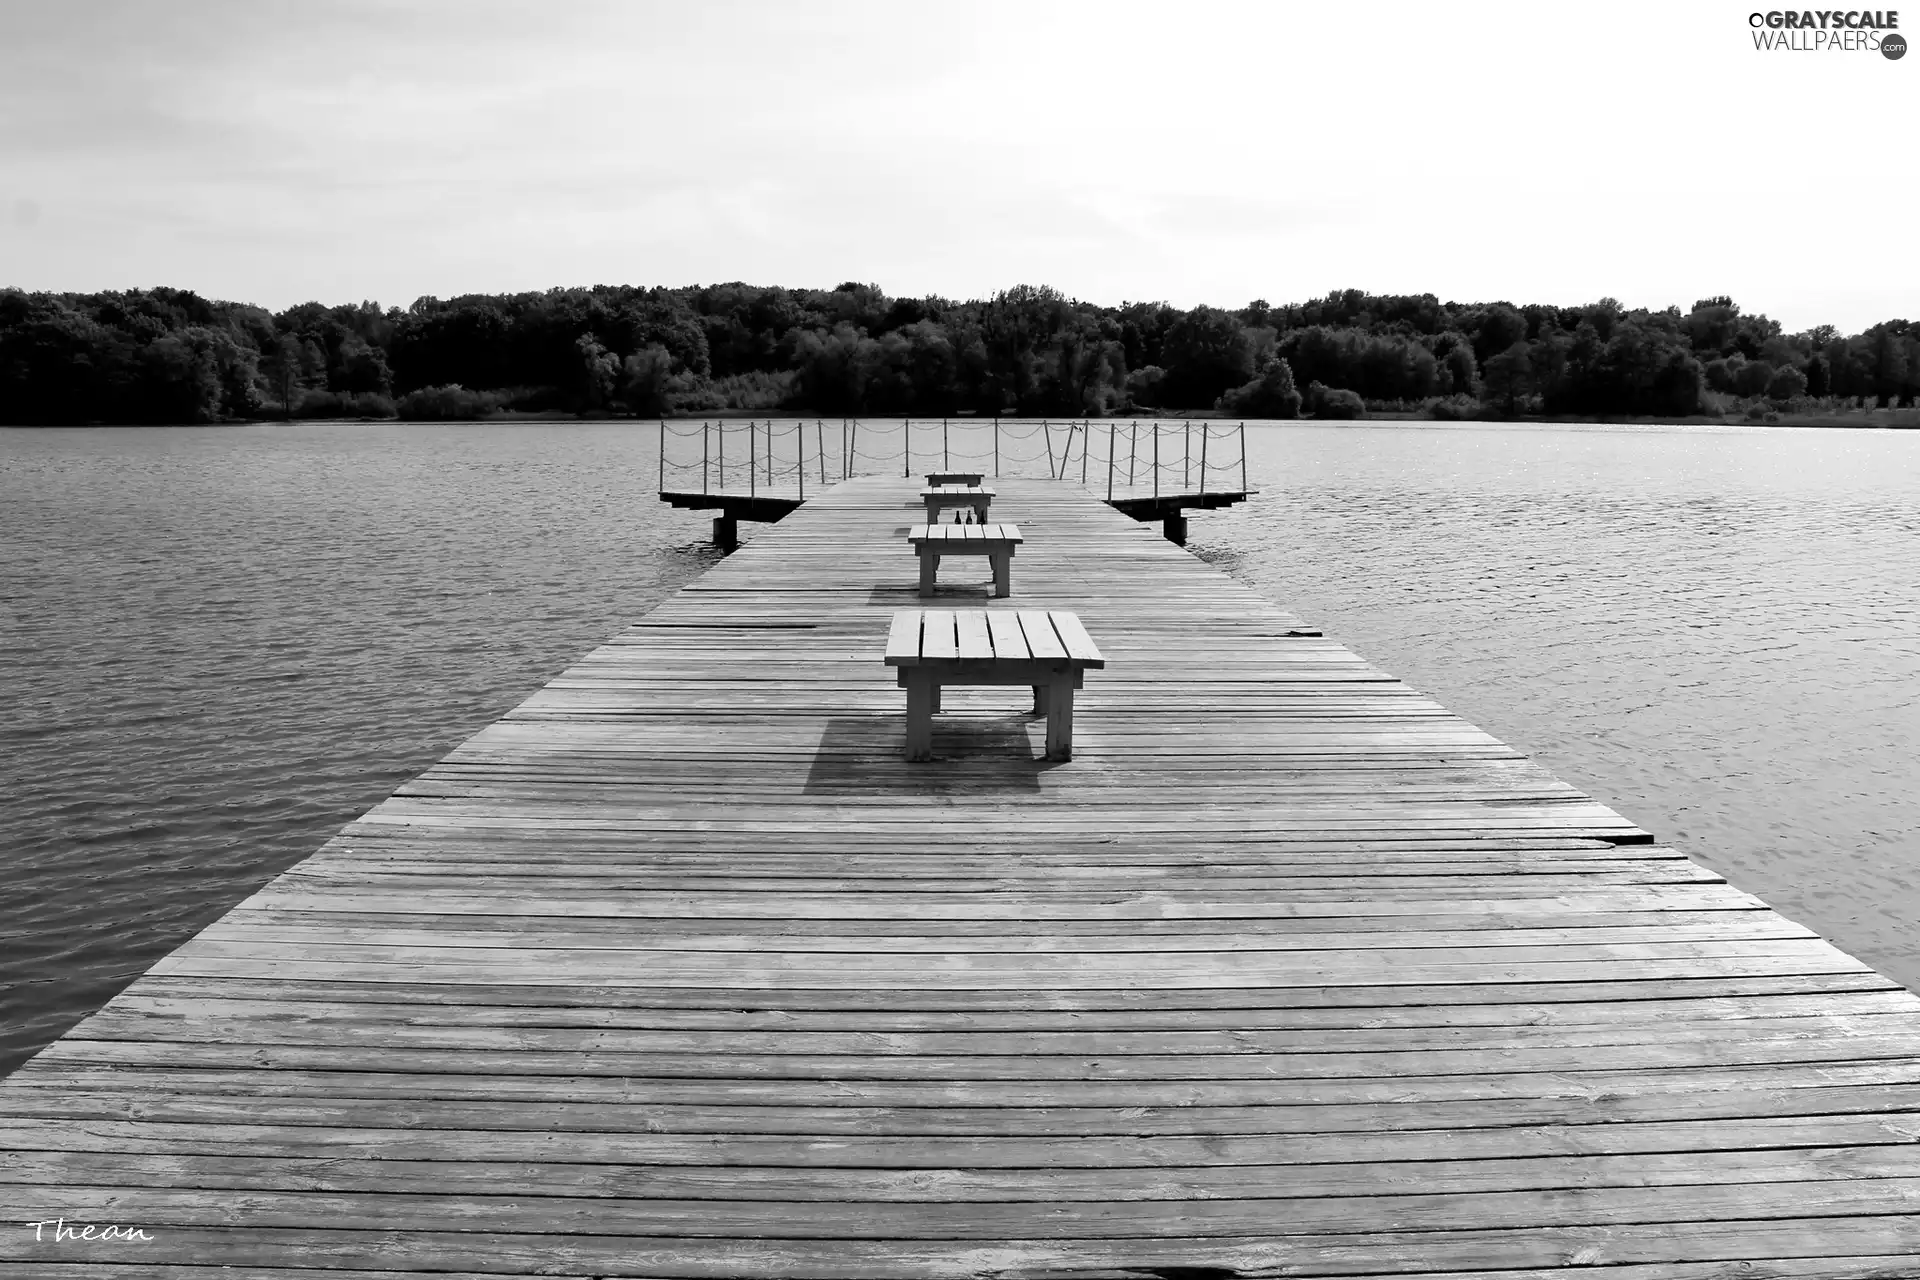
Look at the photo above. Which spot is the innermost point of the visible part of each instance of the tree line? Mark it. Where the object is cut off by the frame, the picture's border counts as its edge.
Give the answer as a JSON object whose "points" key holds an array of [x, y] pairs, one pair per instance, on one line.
{"points": [[167, 355]]}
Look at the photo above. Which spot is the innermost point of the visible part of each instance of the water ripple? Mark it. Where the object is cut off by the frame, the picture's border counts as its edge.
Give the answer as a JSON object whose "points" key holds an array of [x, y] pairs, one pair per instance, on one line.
{"points": [[1714, 630], [221, 644]]}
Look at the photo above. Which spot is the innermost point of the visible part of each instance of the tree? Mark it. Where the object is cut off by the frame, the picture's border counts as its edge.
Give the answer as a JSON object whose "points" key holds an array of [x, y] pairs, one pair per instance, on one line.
{"points": [[833, 368], [1499, 329], [1318, 353], [280, 366], [915, 370], [1081, 373], [1603, 316], [1144, 386], [56, 363], [1817, 376], [182, 381], [1334, 402], [164, 355], [1509, 377], [1462, 371], [1747, 377], [1712, 324], [1019, 329], [1551, 362], [644, 381], [1143, 331], [597, 372], [1787, 383], [1205, 352], [1887, 361], [362, 369], [1271, 395]]}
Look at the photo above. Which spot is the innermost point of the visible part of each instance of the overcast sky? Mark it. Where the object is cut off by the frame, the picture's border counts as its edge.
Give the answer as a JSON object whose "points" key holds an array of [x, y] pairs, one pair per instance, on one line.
{"points": [[272, 153]]}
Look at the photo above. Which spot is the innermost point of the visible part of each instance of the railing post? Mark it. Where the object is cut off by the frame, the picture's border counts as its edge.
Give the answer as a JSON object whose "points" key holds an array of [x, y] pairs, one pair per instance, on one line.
{"points": [[722, 425], [1086, 439], [1111, 427], [1046, 429], [706, 446], [1243, 457], [769, 453], [1186, 457], [906, 447], [753, 457], [800, 455], [996, 444], [663, 456], [946, 455], [820, 446], [1133, 451], [1206, 434], [1156, 457]]}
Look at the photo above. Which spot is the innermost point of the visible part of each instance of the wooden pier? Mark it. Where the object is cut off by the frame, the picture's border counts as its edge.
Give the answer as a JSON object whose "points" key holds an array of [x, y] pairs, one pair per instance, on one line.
{"points": [[679, 970]]}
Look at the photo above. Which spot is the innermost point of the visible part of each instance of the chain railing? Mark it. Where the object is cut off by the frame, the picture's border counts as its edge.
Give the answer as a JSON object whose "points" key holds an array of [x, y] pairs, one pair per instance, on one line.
{"points": [[1129, 459]]}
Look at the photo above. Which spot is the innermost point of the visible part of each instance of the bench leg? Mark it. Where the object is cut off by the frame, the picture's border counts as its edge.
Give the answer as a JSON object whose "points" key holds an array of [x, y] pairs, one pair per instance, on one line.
{"points": [[929, 568], [1039, 699], [1002, 574], [922, 694], [935, 696], [1060, 720]]}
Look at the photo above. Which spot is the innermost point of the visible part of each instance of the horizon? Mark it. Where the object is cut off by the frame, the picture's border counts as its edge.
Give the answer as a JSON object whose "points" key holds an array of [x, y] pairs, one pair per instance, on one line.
{"points": [[270, 155]]}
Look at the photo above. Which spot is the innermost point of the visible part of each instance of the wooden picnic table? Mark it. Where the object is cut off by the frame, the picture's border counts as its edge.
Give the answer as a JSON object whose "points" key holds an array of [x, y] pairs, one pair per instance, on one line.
{"points": [[994, 541], [939, 497], [1047, 650]]}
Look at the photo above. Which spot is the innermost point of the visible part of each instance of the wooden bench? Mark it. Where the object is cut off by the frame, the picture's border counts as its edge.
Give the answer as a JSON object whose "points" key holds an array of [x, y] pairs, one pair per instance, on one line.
{"points": [[938, 497], [1047, 650], [994, 541], [956, 477]]}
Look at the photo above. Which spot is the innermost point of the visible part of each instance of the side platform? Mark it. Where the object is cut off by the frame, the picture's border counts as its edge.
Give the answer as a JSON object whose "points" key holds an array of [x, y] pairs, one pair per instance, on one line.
{"points": [[680, 970]]}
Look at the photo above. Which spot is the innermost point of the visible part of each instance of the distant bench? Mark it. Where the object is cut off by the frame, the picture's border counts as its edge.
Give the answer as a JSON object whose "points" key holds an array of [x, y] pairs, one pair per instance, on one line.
{"points": [[994, 541], [1048, 651], [955, 477], [939, 497]]}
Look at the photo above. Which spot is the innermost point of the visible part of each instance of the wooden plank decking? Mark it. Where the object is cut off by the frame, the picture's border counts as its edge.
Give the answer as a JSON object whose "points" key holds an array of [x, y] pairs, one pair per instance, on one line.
{"points": [[679, 970]]}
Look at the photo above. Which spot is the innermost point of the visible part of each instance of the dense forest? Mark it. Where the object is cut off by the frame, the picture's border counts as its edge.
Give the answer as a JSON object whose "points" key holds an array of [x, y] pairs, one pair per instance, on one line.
{"points": [[167, 355]]}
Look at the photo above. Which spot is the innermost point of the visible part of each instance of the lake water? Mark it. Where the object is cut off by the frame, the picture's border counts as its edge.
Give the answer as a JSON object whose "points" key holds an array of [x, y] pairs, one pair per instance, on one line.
{"points": [[218, 645]]}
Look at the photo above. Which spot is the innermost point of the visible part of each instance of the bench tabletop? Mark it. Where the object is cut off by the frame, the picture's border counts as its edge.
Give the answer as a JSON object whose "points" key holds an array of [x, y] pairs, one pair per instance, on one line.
{"points": [[955, 477], [947, 533], [922, 636]]}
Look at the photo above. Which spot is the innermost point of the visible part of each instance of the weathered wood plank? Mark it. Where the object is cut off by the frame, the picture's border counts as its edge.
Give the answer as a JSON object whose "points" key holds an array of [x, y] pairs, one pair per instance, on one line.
{"points": [[678, 970]]}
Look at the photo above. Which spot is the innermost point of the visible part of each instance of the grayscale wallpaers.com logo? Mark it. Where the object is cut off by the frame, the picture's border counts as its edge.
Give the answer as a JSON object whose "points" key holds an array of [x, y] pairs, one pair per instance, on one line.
{"points": [[1829, 31]]}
